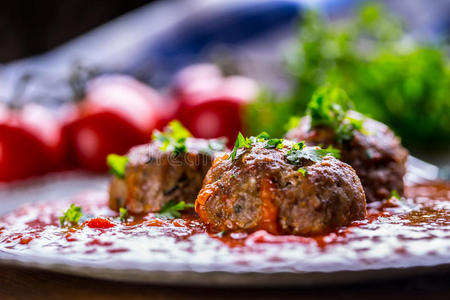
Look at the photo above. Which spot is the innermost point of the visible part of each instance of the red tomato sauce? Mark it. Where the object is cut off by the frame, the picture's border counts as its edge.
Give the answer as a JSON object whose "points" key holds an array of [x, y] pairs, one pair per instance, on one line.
{"points": [[414, 231]]}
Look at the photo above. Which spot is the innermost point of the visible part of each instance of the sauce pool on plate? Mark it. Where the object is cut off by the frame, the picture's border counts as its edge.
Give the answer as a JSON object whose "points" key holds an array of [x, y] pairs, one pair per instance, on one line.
{"points": [[414, 231]]}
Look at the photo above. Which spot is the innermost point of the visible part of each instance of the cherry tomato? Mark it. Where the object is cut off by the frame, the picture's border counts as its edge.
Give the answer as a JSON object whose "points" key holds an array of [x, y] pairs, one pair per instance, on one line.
{"points": [[196, 80], [212, 117], [30, 142], [215, 107], [117, 113]]}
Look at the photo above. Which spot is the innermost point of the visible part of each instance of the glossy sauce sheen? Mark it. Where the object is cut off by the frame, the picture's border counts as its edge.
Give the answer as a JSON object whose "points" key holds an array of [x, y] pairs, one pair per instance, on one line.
{"points": [[397, 233]]}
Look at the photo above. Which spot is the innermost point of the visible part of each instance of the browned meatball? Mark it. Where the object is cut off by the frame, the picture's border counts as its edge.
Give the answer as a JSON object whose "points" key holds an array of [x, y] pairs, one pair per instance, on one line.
{"points": [[261, 189], [153, 177], [375, 153]]}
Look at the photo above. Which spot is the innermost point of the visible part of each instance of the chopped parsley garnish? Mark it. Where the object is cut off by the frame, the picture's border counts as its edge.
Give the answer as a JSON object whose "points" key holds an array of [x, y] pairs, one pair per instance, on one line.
{"points": [[123, 214], [274, 143], [71, 216], [394, 194], [298, 152], [241, 142], [299, 146], [263, 136], [329, 107], [117, 164], [294, 154], [174, 135], [303, 171], [180, 147], [172, 209]]}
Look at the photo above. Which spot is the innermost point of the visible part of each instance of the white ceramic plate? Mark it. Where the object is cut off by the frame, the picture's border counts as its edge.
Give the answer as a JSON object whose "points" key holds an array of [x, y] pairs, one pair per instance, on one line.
{"points": [[65, 185]]}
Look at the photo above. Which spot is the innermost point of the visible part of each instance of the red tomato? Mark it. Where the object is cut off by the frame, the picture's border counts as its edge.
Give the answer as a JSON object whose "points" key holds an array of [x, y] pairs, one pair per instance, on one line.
{"points": [[197, 80], [117, 113], [212, 117], [30, 142], [167, 111], [217, 110]]}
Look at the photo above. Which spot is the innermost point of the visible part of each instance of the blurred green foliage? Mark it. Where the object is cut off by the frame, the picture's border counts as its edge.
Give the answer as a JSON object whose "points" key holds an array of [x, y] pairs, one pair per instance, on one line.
{"points": [[389, 76]]}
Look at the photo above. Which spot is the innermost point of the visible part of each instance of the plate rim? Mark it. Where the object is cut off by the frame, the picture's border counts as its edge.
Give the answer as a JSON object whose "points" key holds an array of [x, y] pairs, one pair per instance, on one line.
{"points": [[186, 277]]}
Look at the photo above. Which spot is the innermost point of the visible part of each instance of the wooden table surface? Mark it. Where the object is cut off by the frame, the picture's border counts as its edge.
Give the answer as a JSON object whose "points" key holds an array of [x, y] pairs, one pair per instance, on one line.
{"points": [[20, 283]]}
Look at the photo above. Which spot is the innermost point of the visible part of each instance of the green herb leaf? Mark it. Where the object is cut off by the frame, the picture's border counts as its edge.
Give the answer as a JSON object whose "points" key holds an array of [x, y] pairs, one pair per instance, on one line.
{"points": [[395, 195], [123, 214], [263, 136], [295, 155], [117, 164], [179, 147], [274, 143], [299, 146], [71, 216], [330, 150], [241, 142], [177, 131], [172, 209], [174, 135], [303, 171]]}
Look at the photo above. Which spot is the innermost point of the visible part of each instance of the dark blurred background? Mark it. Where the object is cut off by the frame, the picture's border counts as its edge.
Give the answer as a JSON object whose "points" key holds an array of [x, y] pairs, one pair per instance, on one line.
{"points": [[32, 27]]}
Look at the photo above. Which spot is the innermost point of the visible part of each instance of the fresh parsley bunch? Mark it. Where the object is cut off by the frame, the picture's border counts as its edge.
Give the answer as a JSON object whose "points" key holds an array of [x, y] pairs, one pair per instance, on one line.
{"points": [[390, 77]]}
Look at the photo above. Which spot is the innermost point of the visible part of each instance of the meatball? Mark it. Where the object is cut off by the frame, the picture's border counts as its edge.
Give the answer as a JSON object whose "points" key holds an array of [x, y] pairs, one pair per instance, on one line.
{"points": [[262, 189], [153, 176], [375, 153]]}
